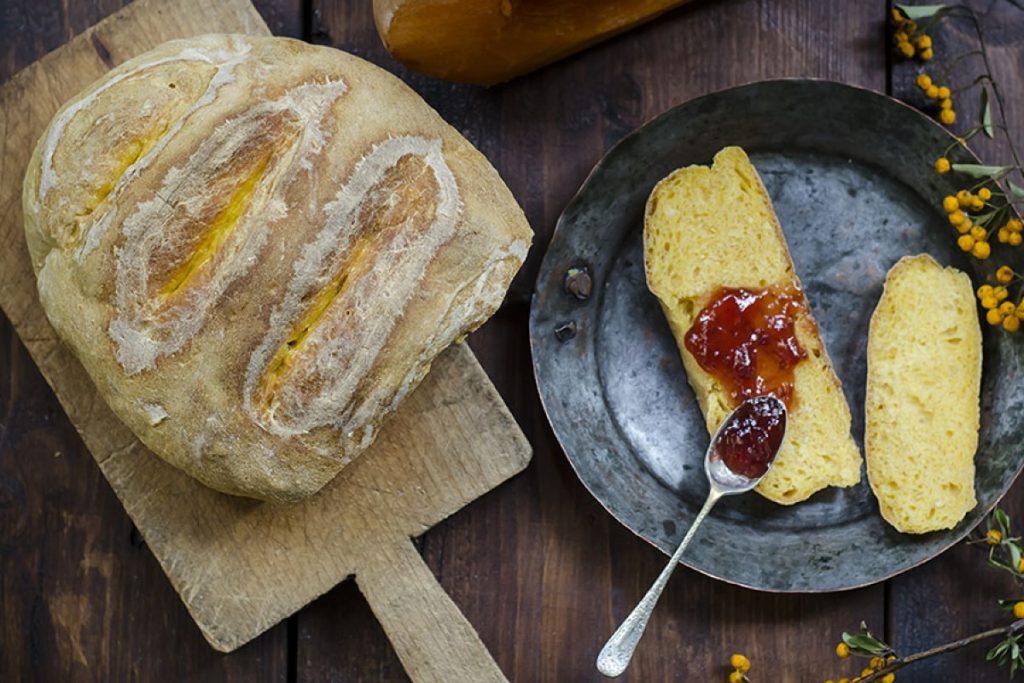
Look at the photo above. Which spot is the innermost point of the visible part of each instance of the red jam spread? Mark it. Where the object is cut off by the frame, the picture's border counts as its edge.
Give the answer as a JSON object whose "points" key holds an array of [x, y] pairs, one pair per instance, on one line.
{"points": [[746, 339], [747, 443]]}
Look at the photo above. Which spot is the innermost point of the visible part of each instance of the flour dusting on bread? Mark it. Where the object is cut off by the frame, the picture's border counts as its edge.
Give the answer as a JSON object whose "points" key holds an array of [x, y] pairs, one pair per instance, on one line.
{"points": [[149, 326], [256, 247], [342, 355], [224, 60]]}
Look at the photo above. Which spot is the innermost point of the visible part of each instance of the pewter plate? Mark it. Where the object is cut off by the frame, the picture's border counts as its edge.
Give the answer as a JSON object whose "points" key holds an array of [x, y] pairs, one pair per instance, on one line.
{"points": [[849, 172]]}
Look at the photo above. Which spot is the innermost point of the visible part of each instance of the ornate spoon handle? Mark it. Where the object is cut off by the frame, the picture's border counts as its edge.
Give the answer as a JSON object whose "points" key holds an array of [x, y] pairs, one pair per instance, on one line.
{"points": [[616, 653]]}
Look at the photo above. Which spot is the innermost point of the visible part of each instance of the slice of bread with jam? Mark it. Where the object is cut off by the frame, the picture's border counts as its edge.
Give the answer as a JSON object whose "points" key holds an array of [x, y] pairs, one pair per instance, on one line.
{"points": [[717, 261]]}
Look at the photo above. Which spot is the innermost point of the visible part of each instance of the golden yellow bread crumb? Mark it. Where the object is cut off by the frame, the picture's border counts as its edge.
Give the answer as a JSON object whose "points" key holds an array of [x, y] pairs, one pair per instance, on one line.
{"points": [[921, 408], [707, 228]]}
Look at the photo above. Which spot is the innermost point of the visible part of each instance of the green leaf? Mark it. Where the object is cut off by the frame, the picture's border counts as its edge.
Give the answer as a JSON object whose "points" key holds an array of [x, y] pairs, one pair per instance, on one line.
{"points": [[1007, 604], [1016, 190], [916, 12], [981, 171], [997, 651], [999, 515], [1014, 555], [865, 643], [983, 218], [986, 112]]}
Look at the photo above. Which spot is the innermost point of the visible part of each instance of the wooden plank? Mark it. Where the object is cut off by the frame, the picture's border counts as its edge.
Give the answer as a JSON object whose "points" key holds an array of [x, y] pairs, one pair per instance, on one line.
{"points": [[956, 594], [81, 596], [362, 653], [31, 28], [283, 17], [551, 573], [241, 566]]}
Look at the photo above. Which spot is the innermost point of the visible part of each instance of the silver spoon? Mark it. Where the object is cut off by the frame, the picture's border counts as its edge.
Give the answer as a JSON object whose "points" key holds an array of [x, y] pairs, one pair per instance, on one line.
{"points": [[754, 430]]}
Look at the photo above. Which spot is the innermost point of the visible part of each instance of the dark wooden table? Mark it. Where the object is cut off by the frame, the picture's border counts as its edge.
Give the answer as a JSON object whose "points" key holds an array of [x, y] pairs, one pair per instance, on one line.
{"points": [[537, 566]]}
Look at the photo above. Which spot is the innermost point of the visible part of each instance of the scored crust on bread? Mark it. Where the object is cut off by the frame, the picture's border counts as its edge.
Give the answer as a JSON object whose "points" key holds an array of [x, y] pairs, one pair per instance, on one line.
{"points": [[708, 228], [256, 247], [922, 404]]}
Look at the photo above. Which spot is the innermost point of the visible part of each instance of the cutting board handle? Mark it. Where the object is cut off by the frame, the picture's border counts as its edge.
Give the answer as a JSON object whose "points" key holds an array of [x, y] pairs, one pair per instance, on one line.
{"points": [[435, 642]]}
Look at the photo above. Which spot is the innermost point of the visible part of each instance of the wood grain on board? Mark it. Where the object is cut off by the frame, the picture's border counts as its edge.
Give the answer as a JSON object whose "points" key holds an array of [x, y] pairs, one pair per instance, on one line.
{"points": [[955, 595], [549, 572], [241, 566]]}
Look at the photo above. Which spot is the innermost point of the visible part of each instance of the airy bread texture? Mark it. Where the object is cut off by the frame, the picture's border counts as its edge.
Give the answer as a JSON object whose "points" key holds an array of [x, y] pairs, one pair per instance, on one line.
{"points": [[922, 404], [256, 247], [707, 228]]}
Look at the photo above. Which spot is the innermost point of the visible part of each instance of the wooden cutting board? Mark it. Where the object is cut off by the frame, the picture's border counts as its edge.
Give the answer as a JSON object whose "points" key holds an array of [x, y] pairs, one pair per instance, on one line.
{"points": [[241, 566]]}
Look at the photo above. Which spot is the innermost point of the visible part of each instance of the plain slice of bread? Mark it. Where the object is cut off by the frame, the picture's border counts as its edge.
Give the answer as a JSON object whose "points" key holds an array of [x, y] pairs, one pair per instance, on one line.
{"points": [[924, 380], [707, 228]]}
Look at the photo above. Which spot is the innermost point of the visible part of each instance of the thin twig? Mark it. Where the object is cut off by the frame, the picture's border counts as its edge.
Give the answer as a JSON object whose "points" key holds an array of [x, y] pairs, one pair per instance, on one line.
{"points": [[947, 69], [901, 662], [970, 14]]}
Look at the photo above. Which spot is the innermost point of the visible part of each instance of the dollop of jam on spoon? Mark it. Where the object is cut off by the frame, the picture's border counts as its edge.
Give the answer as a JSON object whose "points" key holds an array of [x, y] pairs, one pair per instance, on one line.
{"points": [[748, 441]]}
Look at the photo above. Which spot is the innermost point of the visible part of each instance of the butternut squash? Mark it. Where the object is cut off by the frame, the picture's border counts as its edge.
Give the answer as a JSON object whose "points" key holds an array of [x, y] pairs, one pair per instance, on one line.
{"points": [[489, 41]]}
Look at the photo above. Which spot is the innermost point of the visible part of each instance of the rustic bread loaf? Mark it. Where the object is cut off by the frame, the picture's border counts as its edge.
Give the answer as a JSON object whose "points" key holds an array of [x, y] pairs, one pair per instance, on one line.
{"points": [[707, 228], [256, 247], [921, 408]]}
